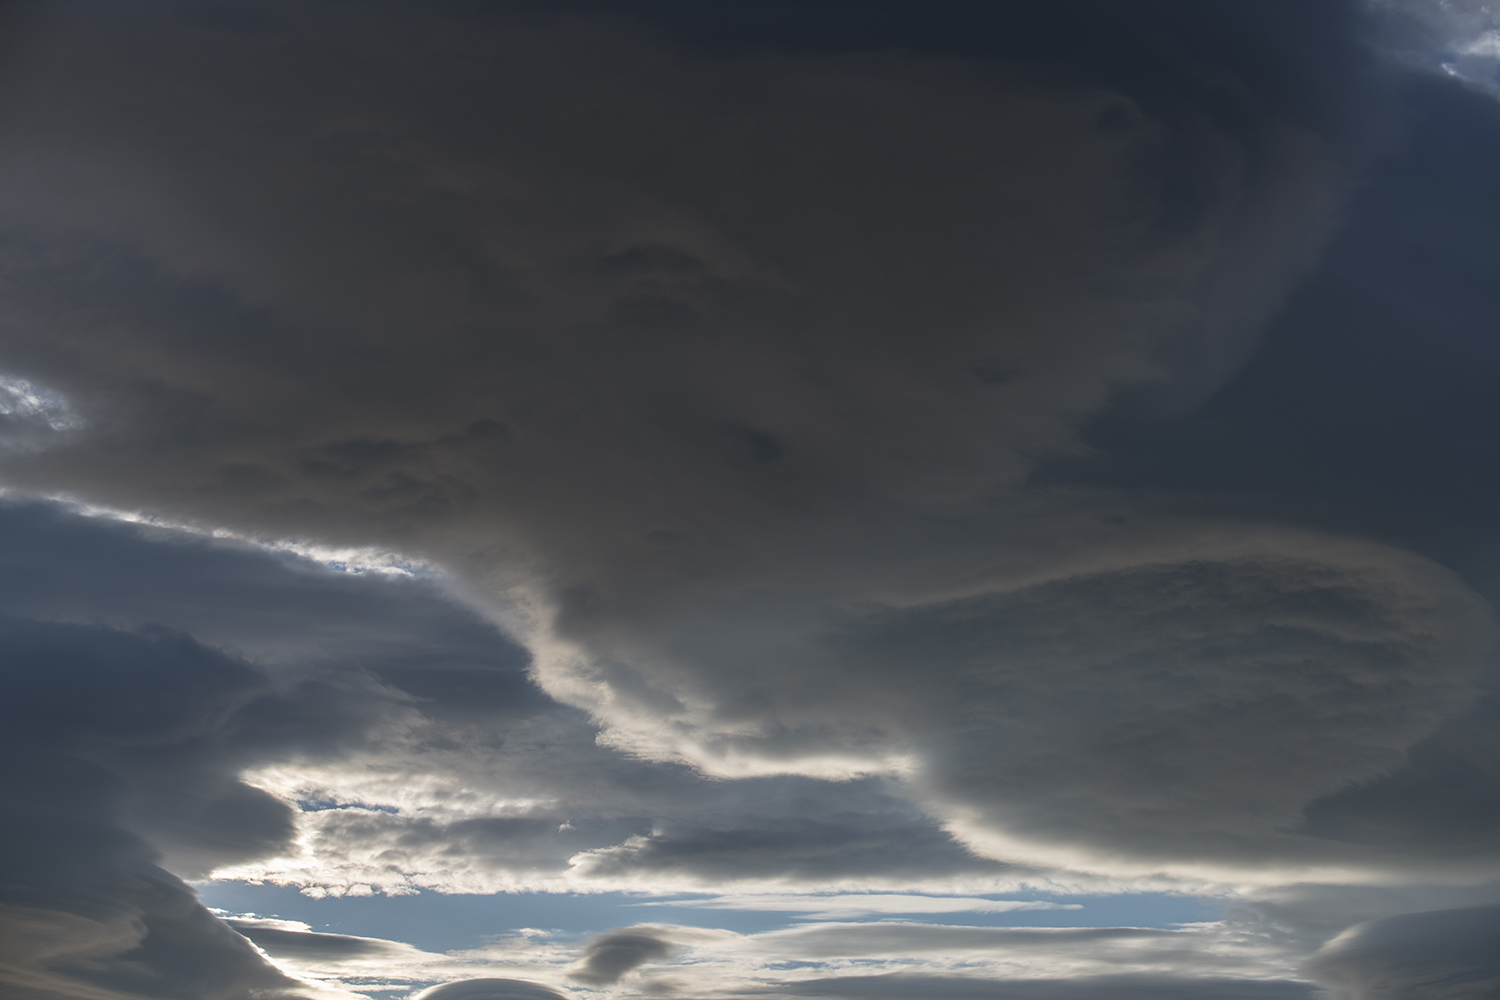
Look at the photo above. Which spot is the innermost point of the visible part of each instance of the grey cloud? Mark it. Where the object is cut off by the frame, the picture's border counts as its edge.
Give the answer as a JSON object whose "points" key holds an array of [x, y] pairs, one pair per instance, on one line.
{"points": [[311, 945], [1279, 674], [129, 930], [1080, 988], [92, 709], [888, 844], [1447, 795], [274, 608], [1186, 958], [86, 904], [161, 725], [122, 744], [609, 822], [896, 937], [497, 844], [1437, 955], [1201, 701], [632, 335], [798, 258], [1305, 917], [1365, 406], [1367, 410], [610, 956]]}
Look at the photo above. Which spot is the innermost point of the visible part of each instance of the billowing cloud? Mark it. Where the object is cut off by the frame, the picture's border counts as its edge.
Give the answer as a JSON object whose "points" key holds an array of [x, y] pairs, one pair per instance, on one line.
{"points": [[609, 956], [809, 449], [689, 441], [1081, 988], [833, 907], [87, 912], [1437, 955]]}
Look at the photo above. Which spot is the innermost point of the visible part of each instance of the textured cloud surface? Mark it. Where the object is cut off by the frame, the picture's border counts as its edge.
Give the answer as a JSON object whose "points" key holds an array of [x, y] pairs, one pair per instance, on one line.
{"points": [[1436, 955], [859, 464]]}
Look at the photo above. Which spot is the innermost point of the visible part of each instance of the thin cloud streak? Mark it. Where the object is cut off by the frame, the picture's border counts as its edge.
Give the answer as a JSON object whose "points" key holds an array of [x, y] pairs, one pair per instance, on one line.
{"points": [[863, 905]]}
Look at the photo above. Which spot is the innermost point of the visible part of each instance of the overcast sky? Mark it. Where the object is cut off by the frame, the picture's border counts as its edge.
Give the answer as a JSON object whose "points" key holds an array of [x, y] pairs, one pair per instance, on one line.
{"points": [[535, 499]]}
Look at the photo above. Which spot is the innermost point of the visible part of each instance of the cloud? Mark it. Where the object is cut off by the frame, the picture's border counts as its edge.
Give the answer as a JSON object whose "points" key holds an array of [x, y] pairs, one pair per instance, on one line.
{"points": [[86, 710], [821, 907], [689, 370], [290, 939], [354, 680], [608, 957], [840, 832], [1438, 955], [1082, 988], [884, 956], [491, 989], [741, 365], [1457, 37], [130, 742], [1152, 682], [1364, 412]]}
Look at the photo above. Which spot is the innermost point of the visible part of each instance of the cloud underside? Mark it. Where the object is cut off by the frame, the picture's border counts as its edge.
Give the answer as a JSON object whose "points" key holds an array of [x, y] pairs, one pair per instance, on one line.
{"points": [[718, 381], [791, 466]]}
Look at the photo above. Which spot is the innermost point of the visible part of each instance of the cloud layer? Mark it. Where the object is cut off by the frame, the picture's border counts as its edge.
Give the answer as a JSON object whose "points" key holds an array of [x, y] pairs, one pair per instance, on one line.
{"points": [[781, 449]]}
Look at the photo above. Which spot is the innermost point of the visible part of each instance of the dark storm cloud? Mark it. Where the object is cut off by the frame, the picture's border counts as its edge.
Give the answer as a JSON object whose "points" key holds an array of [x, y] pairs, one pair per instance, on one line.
{"points": [[1178, 673], [1369, 408], [87, 913], [812, 389], [1439, 955], [276, 609], [829, 835], [643, 826], [655, 316], [688, 354], [124, 744], [174, 720], [491, 989]]}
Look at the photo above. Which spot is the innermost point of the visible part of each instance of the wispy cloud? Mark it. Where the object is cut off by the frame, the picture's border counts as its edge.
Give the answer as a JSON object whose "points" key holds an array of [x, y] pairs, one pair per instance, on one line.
{"points": [[827, 907]]}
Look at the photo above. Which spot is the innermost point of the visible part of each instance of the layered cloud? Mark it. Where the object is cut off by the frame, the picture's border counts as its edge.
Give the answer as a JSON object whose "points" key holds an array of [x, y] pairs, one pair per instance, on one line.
{"points": [[694, 370], [784, 436], [874, 959], [88, 714], [1435, 955]]}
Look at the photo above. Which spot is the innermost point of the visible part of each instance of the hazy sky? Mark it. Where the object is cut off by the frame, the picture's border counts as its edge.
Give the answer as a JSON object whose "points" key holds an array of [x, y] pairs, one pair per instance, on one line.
{"points": [[750, 499]]}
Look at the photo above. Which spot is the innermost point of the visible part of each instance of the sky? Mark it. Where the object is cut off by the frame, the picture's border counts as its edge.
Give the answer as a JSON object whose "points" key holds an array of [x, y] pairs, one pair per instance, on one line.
{"points": [[751, 500]]}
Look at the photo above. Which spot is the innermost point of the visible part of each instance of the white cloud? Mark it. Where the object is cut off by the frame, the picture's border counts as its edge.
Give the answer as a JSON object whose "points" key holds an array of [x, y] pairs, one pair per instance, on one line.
{"points": [[836, 907]]}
